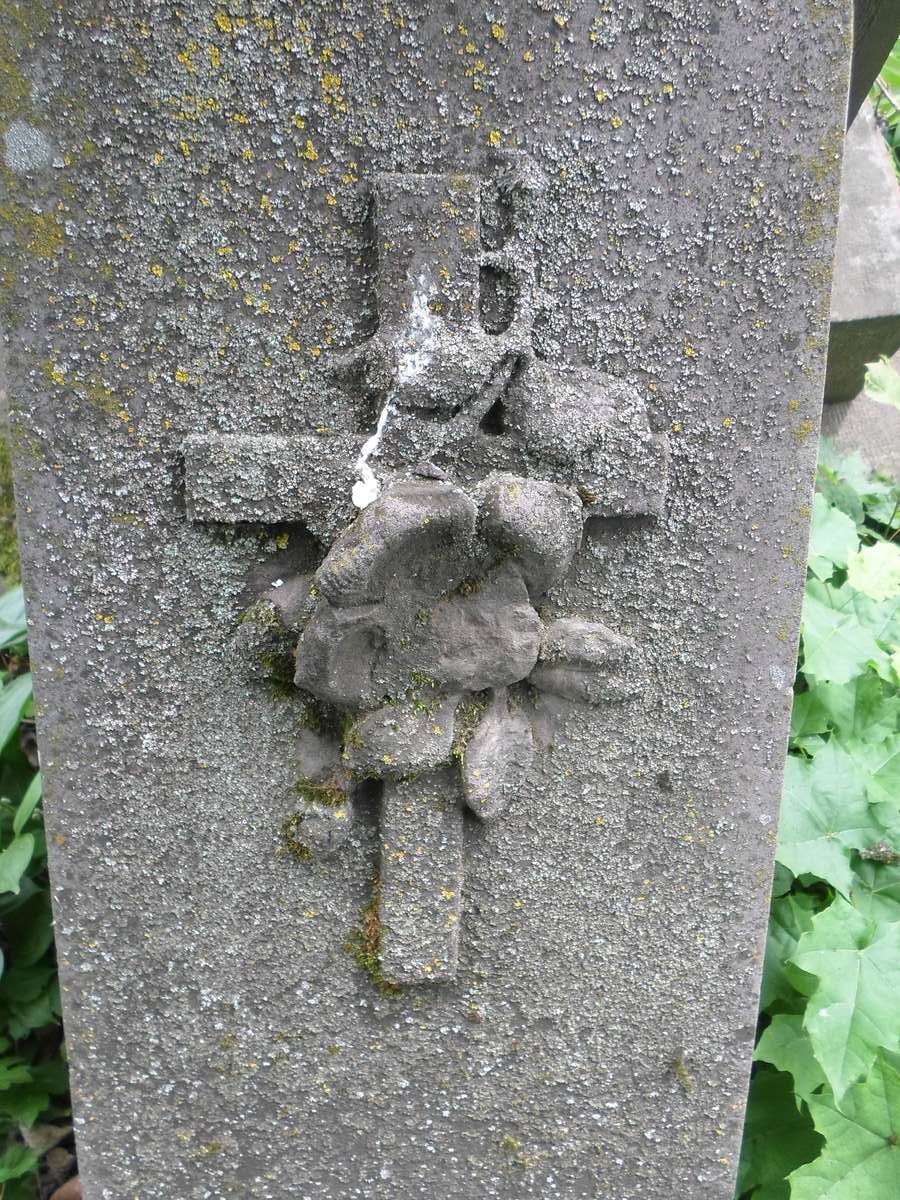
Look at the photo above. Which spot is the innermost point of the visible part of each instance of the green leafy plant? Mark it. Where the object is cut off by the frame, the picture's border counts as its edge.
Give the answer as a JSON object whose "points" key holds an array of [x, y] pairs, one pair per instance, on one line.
{"points": [[33, 1071], [823, 1118], [885, 95], [882, 382]]}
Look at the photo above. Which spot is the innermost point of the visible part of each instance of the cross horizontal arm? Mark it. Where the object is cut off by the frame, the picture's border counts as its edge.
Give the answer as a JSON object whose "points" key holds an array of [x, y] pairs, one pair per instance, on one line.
{"points": [[307, 478]]}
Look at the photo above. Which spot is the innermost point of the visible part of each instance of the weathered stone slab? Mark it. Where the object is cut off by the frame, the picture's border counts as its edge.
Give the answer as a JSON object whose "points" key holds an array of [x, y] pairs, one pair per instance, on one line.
{"points": [[865, 302], [868, 426], [263, 221]]}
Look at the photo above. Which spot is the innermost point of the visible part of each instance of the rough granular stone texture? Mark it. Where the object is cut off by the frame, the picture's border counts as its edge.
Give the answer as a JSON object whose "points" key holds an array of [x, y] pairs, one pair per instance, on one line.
{"points": [[187, 246]]}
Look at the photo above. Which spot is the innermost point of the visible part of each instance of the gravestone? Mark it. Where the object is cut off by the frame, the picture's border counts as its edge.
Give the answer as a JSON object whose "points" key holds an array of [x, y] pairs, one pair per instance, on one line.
{"points": [[865, 301], [415, 418]]}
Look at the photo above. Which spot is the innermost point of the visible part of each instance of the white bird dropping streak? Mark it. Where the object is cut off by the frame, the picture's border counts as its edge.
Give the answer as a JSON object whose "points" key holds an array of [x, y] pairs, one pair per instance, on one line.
{"points": [[413, 361], [367, 487]]}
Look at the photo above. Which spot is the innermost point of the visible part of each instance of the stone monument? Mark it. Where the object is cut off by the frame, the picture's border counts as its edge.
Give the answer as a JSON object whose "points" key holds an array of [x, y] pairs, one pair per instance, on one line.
{"points": [[415, 416]]}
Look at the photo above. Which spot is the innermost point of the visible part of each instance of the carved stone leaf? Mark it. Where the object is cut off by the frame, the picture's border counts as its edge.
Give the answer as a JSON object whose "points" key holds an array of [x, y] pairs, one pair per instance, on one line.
{"points": [[495, 759], [584, 661]]}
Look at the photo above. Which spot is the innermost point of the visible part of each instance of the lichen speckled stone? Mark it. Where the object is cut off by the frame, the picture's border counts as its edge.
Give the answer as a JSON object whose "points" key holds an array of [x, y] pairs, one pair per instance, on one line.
{"points": [[640, 205]]}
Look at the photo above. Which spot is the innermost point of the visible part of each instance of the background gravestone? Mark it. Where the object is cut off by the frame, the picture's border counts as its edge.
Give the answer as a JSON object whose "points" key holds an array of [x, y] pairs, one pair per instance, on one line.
{"points": [[192, 262], [865, 299]]}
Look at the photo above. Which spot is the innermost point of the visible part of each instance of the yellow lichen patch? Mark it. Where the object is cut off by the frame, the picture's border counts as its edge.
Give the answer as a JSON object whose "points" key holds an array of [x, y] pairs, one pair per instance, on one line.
{"points": [[688, 350], [331, 92], [53, 373], [181, 376], [616, 122], [223, 21], [186, 58], [498, 33], [184, 148], [156, 269], [46, 234], [528, 55], [215, 58], [265, 204], [309, 151], [494, 137], [803, 430]]}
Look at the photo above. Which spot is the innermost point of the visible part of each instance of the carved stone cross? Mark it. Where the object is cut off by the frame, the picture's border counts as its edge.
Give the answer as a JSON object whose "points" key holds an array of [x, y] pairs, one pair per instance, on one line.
{"points": [[421, 624]]}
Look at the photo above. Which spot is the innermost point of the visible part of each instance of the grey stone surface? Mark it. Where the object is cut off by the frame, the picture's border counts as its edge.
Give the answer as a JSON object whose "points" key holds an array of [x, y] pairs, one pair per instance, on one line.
{"points": [[868, 426], [865, 301], [205, 264]]}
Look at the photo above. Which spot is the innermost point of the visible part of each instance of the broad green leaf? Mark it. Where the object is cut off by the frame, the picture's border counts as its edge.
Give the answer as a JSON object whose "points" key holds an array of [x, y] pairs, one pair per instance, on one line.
{"points": [[860, 1159], [29, 930], [809, 718], [782, 879], [882, 382], [13, 1070], [17, 1161], [853, 1008], [846, 481], [876, 891], [786, 1045], [880, 617], [28, 804], [13, 698], [790, 917], [13, 627], [29, 999], [14, 862], [878, 765], [866, 708], [778, 1136], [835, 647], [886, 509], [875, 570], [824, 815], [24, 1102], [851, 469], [832, 538]]}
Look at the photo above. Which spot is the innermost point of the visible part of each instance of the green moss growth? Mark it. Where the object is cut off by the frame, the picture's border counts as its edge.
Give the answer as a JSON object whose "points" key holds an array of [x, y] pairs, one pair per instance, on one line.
{"points": [[261, 613], [363, 943], [682, 1074], [329, 795], [468, 714], [289, 842], [279, 667]]}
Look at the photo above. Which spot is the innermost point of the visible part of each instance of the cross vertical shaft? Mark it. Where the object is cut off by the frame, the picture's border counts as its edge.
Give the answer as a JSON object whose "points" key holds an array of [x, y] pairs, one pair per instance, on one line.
{"points": [[421, 877]]}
